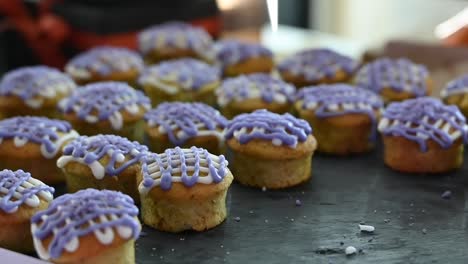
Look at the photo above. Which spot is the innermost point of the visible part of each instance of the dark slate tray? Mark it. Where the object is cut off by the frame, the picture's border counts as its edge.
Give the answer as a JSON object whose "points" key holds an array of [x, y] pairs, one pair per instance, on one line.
{"points": [[413, 223]]}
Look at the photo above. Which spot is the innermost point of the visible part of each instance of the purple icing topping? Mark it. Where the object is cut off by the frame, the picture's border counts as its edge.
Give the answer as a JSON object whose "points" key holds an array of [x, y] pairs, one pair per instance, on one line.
{"points": [[266, 125], [259, 85], [174, 34], [106, 98], [341, 99], [189, 73], [12, 195], [69, 216], [29, 82], [106, 60], [397, 74], [177, 161], [229, 52], [94, 148], [457, 86], [316, 64], [423, 118], [39, 130], [191, 118]]}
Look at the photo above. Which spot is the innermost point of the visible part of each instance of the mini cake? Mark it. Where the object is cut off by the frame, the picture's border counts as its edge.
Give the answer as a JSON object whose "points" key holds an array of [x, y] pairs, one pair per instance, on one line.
{"points": [[344, 117], [456, 93], [184, 189], [270, 150], [316, 66], [33, 91], [105, 63], [102, 162], [248, 93], [88, 227], [185, 125], [238, 58], [21, 196], [34, 144], [106, 108], [180, 80], [395, 79], [173, 40], [423, 135]]}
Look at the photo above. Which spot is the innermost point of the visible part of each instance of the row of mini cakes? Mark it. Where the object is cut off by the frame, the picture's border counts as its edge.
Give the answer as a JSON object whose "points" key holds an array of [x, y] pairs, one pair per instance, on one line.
{"points": [[105, 107], [89, 226], [420, 135]]}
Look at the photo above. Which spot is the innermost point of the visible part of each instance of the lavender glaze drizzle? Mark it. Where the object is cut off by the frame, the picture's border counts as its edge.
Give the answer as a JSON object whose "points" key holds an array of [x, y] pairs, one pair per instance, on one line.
{"points": [[104, 61], [39, 130], [29, 83], [18, 188], [457, 86], [104, 101], [72, 216], [280, 129], [122, 152], [341, 99], [182, 121], [229, 52], [422, 119], [258, 85], [189, 74], [397, 74], [188, 166], [316, 64], [175, 35]]}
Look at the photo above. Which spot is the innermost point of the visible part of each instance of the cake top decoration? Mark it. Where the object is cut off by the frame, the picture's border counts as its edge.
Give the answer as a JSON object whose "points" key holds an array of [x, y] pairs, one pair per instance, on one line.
{"points": [[258, 85], [104, 60], [316, 64], [337, 99], [187, 166], [175, 35], [182, 121], [18, 188], [457, 86], [423, 119], [279, 129], [400, 75], [122, 154], [72, 216], [229, 52], [36, 83], [51, 134], [180, 74], [105, 101]]}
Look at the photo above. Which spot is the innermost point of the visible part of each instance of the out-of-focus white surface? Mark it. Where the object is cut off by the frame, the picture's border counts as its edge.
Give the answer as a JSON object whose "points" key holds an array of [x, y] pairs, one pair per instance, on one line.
{"points": [[287, 40]]}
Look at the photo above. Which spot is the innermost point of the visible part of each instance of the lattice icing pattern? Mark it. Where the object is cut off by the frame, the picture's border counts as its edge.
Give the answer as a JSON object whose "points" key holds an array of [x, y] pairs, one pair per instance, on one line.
{"points": [[18, 188], [186, 166], [122, 153], [105, 101], [423, 119], [104, 60], [35, 84], [180, 75], [176, 35], [264, 125], [72, 216], [229, 52], [317, 64], [400, 75], [457, 86], [259, 85], [50, 134], [182, 121]]}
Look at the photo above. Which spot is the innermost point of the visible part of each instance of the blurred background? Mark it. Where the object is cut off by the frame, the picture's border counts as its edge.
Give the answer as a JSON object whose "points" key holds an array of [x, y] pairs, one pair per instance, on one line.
{"points": [[432, 32]]}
